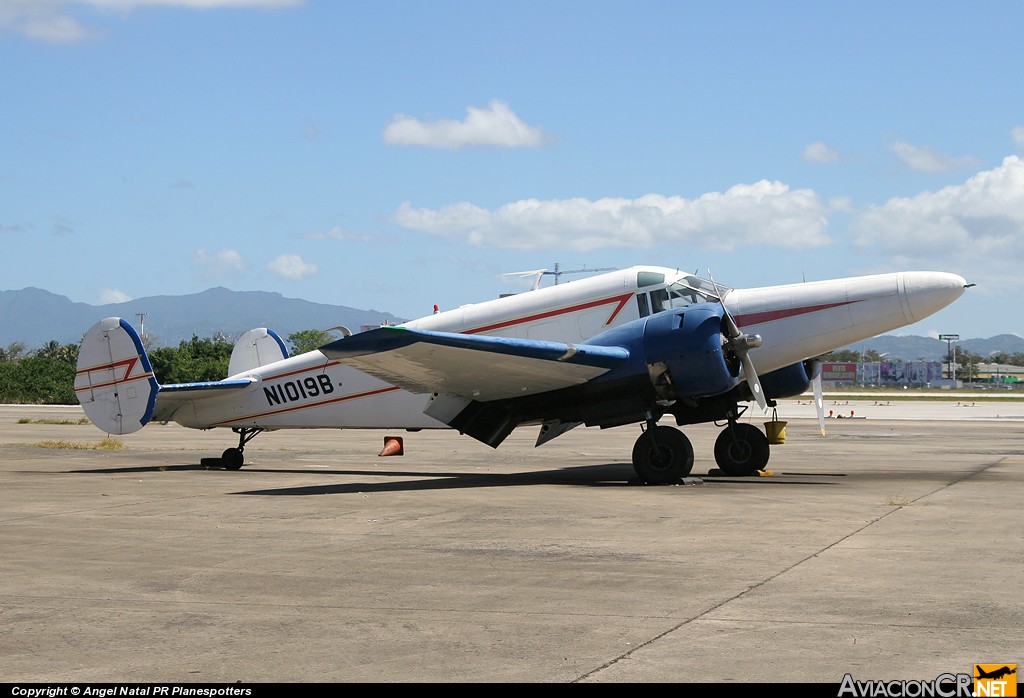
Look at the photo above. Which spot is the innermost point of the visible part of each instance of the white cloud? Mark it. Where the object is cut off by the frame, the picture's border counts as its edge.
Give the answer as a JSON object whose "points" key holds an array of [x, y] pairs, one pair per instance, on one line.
{"points": [[225, 260], [763, 213], [113, 295], [291, 267], [1018, 135], [53, 21], [496, 125], [925, 159], [979, 224], [819, 152], [338, 233], [840, 204], [56, 29]]}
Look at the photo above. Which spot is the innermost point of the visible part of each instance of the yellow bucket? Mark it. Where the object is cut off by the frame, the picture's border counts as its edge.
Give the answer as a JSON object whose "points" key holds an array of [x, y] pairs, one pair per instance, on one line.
{"points": [[776, 431]]}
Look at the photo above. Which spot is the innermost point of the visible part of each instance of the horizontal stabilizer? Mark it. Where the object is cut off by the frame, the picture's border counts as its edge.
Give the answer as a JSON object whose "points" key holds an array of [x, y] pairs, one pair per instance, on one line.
{"points": [[207, 387], [173, 396]]}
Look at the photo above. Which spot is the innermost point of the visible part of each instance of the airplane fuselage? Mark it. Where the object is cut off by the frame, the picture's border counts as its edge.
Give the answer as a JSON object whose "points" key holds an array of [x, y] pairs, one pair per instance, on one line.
{"points": [[795, 321]]}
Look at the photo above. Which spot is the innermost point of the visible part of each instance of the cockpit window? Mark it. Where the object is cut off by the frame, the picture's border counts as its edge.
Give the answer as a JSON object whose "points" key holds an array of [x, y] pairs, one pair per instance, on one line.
{"points": [[704, 289], [679, 294], [659, 300], [649, 278]]}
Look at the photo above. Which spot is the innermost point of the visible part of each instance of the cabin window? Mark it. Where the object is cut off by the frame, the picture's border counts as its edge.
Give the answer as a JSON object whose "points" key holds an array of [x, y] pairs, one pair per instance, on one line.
{"points": [[641, 303]]}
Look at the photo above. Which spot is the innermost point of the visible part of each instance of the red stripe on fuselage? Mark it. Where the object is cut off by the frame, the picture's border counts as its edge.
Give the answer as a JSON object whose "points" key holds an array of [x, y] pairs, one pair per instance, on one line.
{"points": [[769, 315], [620, 300], [295, 408]]}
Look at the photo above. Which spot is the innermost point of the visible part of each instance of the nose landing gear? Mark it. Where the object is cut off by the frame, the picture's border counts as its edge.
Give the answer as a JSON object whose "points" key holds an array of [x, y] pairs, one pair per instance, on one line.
{"points": [[741, 449], [662, 455]]}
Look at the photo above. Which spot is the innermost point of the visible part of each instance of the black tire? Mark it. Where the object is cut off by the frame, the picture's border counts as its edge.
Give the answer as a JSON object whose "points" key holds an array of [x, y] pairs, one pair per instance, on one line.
{"points": [[742, 450], [662, 456], [232, 459]]}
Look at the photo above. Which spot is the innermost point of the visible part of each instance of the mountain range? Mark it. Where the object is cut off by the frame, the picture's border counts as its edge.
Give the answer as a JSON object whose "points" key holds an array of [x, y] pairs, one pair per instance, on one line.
{"points": [[34, 317]]}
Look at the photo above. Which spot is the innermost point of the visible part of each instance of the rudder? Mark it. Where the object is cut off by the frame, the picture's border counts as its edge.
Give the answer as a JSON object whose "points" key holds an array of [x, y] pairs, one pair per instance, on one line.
{"points": [[256, 348], [114, 380]]}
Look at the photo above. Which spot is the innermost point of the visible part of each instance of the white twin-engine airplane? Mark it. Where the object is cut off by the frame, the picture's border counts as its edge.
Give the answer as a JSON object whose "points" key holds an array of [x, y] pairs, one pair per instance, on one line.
{"points": [[627, 347]]}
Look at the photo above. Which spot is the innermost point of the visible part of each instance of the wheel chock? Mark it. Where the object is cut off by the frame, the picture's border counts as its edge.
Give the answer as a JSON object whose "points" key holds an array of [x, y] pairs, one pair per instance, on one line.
{"points": [[393, 446], [765, 473]]}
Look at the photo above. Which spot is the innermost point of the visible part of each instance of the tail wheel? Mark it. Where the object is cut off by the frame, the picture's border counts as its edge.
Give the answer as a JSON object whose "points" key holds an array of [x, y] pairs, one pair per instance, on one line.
{"points": [[742, 449], [232, 459], [662, 455]]}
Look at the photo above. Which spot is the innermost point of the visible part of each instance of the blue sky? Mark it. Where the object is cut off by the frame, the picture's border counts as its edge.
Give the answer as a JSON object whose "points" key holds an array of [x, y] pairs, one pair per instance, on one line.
{"points": [[394, 155]]}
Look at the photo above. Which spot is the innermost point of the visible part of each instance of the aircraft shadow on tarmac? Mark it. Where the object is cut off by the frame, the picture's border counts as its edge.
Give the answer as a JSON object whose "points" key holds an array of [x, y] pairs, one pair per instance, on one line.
{"points": [[598, 475]]}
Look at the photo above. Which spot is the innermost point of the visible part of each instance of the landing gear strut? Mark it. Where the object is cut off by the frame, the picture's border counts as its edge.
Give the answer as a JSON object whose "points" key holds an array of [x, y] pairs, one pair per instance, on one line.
{"points": [[232, 458], [741, 449], [662, 455]]}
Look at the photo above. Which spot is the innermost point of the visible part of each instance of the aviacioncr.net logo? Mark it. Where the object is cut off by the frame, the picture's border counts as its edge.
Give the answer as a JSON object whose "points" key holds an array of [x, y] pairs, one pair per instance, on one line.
{"points": [[942, 686]]}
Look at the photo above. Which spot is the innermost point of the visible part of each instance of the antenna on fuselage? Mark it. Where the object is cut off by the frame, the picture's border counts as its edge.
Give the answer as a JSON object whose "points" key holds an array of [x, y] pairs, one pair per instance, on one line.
{"points": [[539, 274], [558, 272]]}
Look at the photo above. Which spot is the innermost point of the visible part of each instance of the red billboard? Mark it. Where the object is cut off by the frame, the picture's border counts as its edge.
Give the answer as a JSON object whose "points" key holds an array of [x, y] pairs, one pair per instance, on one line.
{"points": [[839, 371]]}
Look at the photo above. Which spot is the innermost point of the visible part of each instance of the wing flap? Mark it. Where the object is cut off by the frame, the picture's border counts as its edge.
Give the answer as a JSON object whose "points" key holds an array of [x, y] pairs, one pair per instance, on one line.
{"points": [[474, 367]]}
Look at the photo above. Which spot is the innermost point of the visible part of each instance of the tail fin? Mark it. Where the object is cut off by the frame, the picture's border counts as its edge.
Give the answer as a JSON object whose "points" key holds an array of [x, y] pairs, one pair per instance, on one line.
{"points": [[256, 348], [114, 381]]}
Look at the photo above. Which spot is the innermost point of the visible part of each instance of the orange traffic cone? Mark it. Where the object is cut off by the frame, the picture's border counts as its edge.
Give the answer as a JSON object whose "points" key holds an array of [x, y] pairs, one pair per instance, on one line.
{"points": [[393, 446]]}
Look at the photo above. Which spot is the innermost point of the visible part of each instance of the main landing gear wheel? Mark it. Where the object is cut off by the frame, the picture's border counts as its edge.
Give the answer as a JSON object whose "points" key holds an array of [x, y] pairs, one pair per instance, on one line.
{"points": [[662, 455], [742, 449]]}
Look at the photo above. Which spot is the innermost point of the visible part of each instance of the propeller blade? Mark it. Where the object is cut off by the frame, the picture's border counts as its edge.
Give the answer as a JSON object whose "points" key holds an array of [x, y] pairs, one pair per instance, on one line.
{"points": [[754, 383], [819, 402], [740, 344]]}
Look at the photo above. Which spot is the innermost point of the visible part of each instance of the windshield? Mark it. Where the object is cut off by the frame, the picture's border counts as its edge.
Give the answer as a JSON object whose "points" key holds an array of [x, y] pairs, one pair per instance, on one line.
{"points": [[681, 293]]}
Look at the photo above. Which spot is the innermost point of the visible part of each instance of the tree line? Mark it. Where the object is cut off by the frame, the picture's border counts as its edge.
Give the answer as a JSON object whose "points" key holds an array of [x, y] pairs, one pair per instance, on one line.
{"points": [[46, 376]]}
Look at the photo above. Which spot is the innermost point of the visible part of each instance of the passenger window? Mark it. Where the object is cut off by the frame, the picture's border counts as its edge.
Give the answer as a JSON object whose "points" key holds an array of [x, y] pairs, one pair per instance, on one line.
{"points": [[641, 302]]}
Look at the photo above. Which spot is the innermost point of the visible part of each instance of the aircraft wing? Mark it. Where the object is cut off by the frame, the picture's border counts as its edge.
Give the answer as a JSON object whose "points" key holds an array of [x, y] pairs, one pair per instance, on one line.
{"points": [[173, 396], [475, 367]]}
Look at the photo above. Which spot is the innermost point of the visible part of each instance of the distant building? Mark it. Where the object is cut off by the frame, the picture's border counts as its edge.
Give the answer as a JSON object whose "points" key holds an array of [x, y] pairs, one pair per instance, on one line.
{"points": [[881, 373], [915, 374], [1000, 373]]}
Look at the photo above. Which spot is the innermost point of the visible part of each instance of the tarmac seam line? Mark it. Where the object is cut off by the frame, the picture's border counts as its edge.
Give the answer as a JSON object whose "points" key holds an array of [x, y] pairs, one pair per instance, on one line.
{"points": [[773, 577]]}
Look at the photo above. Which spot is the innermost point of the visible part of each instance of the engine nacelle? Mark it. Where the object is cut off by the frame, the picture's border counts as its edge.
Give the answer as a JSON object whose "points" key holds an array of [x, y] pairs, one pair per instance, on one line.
{"points": [[684, 355], [791, 380]]}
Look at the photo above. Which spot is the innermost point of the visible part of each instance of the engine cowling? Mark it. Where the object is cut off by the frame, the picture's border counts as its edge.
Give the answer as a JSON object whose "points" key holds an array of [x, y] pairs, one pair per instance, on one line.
{"points": [[684, 353]]}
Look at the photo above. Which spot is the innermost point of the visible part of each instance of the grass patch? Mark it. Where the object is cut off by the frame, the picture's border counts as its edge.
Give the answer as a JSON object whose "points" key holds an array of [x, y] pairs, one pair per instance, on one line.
{"points": [[106, 444], [26, 420]]}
